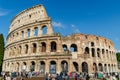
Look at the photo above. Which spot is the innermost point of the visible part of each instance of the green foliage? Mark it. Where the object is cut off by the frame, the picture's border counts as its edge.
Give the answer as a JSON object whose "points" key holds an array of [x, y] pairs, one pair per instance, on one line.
{"points": [[118, 56], [1, 50]]}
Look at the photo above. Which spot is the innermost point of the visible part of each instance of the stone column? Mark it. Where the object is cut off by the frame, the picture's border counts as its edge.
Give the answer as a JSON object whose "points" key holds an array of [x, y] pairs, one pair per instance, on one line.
{"points": [[48, 46], [25, 34], [32, 32], [58, 67], [38, 47], [40, 31], [49, 28], [22, 49], [36, 65], [70, 65], [90, 52], [47, 63], [28, 65]]}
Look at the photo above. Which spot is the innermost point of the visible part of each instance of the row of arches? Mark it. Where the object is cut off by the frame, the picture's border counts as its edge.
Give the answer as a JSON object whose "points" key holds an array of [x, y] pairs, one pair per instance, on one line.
{"points": [[99, 52], [43, 47], [53, 67], [29, 32]]}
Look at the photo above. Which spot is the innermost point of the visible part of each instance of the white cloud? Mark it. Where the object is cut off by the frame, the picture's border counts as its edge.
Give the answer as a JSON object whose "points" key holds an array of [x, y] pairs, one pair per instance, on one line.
{"points": [[75, 29], [57, 24], [3, 12]]}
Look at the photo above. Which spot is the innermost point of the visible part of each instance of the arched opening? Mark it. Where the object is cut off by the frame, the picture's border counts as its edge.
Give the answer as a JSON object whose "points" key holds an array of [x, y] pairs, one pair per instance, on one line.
{"points": [[44, 30], [36, 31], [26, 48], [103, 52], [24, 66], [107, 53], [105, 67], [86, 50], [34, 47], [32, 66], [98, 52], [85, 67], [93, 52], [43, 48], [22, 34], [100, 67], [64, 66], [109, 67], [94, 67], [112, 68], [92, 44], [52, 67], [73, 48], [12, 66], [18, 67], [28, 31], [75, 64], [42, 67], [53, 46], [64, 47], [20, 48]]}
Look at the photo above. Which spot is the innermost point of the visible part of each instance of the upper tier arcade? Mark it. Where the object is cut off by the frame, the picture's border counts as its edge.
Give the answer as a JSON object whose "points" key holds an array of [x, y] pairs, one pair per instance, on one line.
{"points": [[34, 14]]}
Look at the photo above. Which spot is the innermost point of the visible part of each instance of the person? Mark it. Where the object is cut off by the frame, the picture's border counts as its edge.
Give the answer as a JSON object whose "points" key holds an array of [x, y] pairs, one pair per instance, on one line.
{"points": [[8, 76], [87, 77], [76, 75], [46, 76], [57, 77]]}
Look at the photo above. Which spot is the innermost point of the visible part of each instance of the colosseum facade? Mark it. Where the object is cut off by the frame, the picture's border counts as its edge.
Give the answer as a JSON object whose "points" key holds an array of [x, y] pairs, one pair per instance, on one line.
{"points": [[33, 45]]}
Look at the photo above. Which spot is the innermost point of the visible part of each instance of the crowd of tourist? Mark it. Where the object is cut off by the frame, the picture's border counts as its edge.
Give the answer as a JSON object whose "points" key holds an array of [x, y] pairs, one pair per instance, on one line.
{"points": [[62, 76]]}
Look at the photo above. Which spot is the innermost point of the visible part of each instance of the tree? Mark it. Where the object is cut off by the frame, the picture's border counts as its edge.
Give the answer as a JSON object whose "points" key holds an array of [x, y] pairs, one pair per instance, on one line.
{"points": [[1, 50], [118, 56]]}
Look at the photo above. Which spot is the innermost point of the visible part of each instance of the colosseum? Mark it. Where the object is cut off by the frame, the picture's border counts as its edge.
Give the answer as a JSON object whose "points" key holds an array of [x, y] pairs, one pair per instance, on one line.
{"points": [[32, 45]]}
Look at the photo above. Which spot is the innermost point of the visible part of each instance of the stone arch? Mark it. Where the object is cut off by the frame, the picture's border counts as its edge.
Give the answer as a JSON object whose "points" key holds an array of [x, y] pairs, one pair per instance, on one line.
{"points": [[112, 68], [52, 67], [24, 66], [105, 67], [43, 47], [107, 53], [28, 32], [92, 44], [94, 67], [44, 30], [76, 67], [64, 66], [42, 67], [20, 49], [18, 67], [86, 50], [34, 47], [53, 46], [64, 47], [108, 67], [98, 52], [100, 67], [22, 34], [36, 31], [84, 67], [26, 48], [93, 52], [32, 66], [103, 52], [73, 48]]}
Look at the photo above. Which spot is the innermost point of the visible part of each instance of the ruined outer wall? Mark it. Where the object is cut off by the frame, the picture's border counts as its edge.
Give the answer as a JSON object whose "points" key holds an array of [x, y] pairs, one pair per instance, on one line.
{"points": [[27, 44]]}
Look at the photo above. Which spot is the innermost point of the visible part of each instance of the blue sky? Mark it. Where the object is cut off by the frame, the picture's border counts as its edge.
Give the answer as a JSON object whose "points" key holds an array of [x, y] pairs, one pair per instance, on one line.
{"points": [[98, 17]]}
